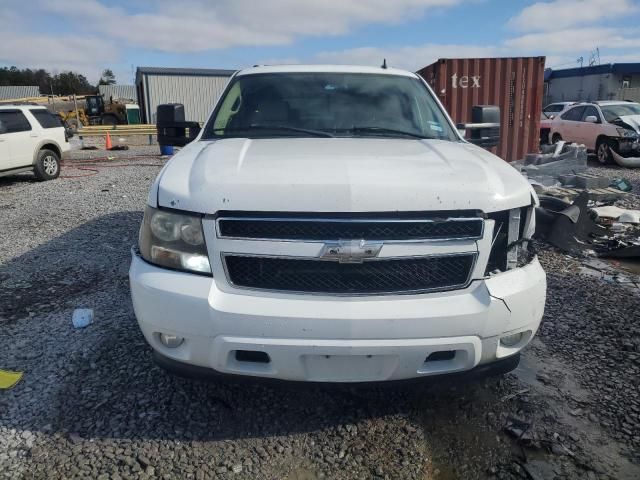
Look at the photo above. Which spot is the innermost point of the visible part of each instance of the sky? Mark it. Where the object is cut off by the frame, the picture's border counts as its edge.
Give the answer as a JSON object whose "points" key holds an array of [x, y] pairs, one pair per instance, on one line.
{"points": [[88, 36]]}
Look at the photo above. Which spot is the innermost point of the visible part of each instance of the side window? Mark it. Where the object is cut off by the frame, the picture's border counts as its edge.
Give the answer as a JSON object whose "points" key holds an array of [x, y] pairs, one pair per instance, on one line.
{"points": [[230, 106], [574, 114], [14, 121], [590, 111], [46, 119], [554, 108]]}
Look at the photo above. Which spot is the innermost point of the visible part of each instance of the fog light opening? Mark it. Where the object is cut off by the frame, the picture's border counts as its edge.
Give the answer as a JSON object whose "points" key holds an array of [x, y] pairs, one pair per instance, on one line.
{"points": [[171, 341], [441, 355], [510, 341], [252, 356]]}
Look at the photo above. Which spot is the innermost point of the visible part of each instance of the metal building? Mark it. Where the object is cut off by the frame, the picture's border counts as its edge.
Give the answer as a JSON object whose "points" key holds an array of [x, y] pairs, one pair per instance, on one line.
{"points": [[11, 92], [596, 82], [125, 92], [513, 84], [197, 89]]}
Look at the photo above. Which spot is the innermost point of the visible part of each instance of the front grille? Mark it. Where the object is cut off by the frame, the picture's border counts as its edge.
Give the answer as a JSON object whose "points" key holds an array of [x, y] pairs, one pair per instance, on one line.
{"points": [[352, 229], [397, 275]]}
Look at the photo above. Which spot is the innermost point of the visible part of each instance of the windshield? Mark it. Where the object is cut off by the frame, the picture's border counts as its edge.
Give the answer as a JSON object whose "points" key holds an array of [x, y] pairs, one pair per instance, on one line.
{"points": [[328, 105], [611, 112]]}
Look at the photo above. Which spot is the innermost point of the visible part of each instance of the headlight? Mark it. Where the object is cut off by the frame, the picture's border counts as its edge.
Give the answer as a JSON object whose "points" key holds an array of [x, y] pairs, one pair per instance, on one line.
{"points": [[509, 242], [174, 240], [626, 133]]}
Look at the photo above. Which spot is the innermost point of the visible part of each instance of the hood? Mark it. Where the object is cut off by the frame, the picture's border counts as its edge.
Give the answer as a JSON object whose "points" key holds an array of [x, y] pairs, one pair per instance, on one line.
{"points": [[338, 175], [632, 121]]}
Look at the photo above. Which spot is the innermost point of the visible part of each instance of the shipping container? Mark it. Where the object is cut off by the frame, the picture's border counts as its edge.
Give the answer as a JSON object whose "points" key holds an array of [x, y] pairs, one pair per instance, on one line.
{"points": [[198, 89], [513, 84]]}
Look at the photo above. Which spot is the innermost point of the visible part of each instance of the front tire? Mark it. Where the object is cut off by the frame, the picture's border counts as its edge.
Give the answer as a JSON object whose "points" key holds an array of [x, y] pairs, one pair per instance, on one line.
{"points": [[603, 151], [47, 165], [556, 138]]}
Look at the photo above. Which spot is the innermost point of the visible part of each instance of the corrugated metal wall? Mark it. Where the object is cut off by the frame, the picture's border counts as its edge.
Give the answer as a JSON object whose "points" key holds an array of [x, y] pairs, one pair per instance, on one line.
{"points": [[514, 84], [198, 94], [10, 92], [118, 91], [632, 94], [586, 88]]}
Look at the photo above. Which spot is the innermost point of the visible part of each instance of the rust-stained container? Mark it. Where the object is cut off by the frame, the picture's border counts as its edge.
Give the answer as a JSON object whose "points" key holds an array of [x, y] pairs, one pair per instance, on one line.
{"points": [[513, 84]]}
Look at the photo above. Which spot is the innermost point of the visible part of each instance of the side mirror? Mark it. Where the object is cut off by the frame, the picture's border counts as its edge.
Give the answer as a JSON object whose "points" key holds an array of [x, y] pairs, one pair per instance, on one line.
{"points": [[591, 119], [484, 126]]}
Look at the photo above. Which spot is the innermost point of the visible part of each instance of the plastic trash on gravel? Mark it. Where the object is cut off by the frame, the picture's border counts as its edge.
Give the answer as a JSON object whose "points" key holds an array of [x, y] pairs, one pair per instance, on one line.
{"points": [[9, 379], [82, 317]]}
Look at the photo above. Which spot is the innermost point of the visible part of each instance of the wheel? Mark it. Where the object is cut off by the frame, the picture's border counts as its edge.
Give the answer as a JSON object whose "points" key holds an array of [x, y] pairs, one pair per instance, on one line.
{"points": [[603, 151], [109, 120], [556, 138], [75, 124], [47, 165]]}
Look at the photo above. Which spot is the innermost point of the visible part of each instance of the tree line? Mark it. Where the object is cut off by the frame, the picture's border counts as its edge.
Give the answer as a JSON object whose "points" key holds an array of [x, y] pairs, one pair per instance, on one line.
{"points": [[63, 83]]}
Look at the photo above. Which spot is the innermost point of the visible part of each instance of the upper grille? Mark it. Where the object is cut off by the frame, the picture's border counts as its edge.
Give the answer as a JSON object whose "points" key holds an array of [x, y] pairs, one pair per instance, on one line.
{"points": [[397, 275], [350, 229]]}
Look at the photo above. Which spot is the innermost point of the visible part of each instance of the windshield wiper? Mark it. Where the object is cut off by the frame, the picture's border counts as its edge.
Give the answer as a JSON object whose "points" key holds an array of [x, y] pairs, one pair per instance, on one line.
{"points": [[284, 128], [386, 130]]}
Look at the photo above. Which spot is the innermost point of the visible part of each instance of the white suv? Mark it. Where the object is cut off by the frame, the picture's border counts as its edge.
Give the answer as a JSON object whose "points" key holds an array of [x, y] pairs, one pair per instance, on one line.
{"points": [[330, 224], [610, 128], [31, 139], [554, 109]]}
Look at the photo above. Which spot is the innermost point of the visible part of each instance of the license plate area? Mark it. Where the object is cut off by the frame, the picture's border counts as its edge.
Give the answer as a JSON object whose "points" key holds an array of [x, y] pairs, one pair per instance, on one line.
{"points": [[348, 368]]}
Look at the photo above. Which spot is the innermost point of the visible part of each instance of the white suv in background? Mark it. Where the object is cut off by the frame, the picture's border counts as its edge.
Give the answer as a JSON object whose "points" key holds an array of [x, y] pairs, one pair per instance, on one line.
{"points": [[31, 139], [554, 109], [610, 128]]}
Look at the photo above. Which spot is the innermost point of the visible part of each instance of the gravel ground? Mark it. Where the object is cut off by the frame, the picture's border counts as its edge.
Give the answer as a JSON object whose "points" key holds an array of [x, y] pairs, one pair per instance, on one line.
{"points": [[93, 405]]}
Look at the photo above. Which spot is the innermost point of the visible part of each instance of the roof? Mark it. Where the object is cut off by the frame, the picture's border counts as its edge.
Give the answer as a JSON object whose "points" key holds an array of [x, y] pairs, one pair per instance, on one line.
{"points": [[323, 69], [601, 103], [612, 102], [617, 68], [203, 72]]}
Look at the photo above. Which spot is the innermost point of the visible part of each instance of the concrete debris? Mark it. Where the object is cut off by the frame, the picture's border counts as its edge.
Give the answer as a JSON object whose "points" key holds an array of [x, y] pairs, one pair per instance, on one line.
{"points": [[565, 159], [561, 171], [607, 194], [622, 215]]}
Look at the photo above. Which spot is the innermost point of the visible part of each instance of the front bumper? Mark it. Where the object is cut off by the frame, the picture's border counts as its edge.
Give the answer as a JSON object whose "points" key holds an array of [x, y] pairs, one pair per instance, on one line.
{"points": [[630, 162], [337, 339]]}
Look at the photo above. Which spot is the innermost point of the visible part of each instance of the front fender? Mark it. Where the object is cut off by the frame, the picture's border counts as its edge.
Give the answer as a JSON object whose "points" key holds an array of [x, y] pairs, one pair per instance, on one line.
{"points": [[41, 144]]}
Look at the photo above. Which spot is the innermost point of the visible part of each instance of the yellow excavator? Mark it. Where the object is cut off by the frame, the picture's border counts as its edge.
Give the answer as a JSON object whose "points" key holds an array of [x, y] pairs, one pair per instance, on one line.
{"points": [[95, 111]]}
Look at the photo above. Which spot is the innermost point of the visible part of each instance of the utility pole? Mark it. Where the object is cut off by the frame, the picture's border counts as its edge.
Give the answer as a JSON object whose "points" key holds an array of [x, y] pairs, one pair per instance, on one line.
{"points": [[53, 100], [75, 105]]}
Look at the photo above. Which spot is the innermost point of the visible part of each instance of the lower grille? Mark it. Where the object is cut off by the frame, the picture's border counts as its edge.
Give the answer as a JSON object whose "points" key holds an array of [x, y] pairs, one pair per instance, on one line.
{"points": [[397, 275]]}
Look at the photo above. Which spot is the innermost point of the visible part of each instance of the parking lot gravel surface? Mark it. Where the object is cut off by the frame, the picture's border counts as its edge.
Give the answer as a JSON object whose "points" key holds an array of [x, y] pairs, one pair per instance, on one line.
{"points": [[92, 404]]}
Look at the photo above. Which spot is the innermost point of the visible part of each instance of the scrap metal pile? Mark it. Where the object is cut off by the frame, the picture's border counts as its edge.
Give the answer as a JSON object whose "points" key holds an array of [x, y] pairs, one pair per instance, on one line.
{"points": [[577, 211]]}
